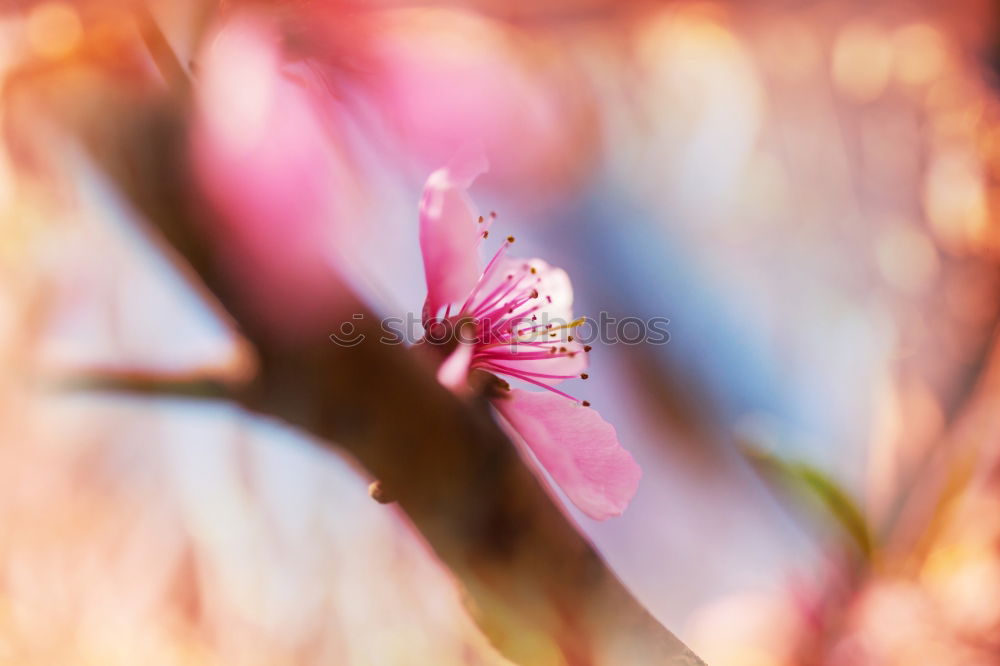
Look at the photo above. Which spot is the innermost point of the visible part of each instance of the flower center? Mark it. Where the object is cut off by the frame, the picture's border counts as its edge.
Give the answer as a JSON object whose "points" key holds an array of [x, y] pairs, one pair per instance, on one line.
{"points": [[506, 320]]}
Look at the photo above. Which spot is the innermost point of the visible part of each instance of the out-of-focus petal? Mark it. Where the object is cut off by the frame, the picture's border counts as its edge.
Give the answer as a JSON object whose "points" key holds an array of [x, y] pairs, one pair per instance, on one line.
{"points": [[275, 174], [448, 75], [578, 449], [449, 230]]}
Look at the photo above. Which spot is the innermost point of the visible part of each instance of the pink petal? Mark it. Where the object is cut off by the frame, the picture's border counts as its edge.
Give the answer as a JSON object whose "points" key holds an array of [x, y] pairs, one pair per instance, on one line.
{"points": [[451, 74], [454, 371], [555, 284], [552, 283], [449, 231], [578, 449], [274, 173]]}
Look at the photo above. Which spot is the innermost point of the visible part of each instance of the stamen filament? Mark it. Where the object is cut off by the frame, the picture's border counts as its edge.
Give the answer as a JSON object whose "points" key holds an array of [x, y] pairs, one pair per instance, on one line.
{"points": [[522, 377], [487, 272]]}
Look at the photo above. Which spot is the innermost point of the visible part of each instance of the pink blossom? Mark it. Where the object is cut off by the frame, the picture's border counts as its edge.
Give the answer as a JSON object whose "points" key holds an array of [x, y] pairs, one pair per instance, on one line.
{"points": [[445, 75], [514, 319], [276, 175]]}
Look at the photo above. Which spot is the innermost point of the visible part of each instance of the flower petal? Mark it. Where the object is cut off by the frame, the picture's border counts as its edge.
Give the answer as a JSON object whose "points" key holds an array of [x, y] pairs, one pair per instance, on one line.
{"points": [[449, 232], [578, 449], [275, 174], [554, 289], [453, 373]]}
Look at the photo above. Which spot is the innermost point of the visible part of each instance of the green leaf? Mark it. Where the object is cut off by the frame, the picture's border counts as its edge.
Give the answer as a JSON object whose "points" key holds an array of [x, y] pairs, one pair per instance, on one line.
{"points": [[808, 482]]}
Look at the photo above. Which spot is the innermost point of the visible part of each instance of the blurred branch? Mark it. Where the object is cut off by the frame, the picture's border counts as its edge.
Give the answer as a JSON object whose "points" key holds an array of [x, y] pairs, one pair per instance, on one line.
{"points": [[145, 384], [160, 51], [533, 583], [969, 443]]}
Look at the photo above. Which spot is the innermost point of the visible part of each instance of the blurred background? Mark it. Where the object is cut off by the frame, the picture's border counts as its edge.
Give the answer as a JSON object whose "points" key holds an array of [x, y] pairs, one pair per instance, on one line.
{"points": [[807, 190]]}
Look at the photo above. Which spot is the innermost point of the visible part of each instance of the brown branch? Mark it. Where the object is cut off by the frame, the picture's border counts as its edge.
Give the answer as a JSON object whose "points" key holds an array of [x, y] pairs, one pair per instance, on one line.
{"points": [[159, 49]]}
